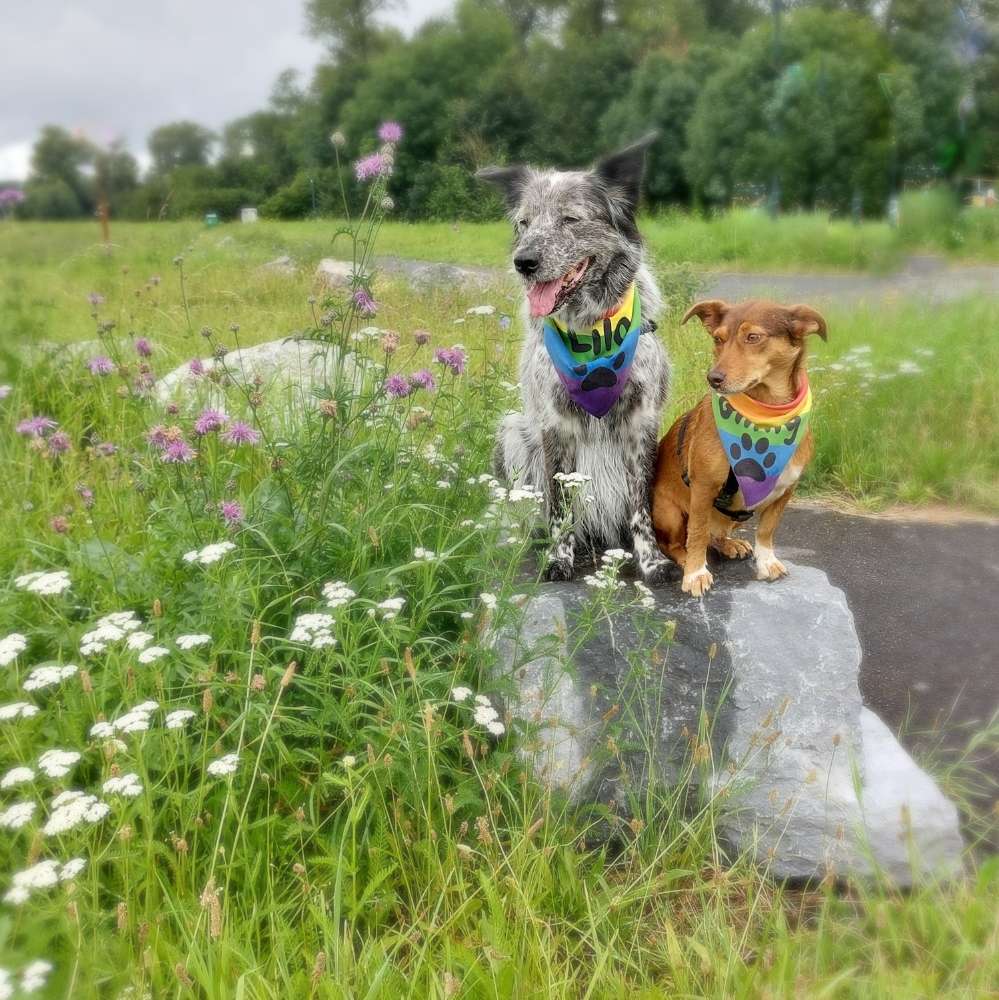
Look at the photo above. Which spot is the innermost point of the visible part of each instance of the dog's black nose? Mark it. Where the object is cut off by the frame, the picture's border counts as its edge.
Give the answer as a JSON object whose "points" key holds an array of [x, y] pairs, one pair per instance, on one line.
{"points": [[716, 379], [526, 263]]}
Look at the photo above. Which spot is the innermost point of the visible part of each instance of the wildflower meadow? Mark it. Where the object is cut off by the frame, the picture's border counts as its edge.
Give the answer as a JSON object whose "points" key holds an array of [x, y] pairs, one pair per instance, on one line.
{"points": [[253, 743]]}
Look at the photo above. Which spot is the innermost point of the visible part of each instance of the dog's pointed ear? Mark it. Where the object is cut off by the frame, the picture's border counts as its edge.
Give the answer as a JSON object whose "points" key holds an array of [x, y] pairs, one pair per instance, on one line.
{"points": [[710, 312], [622, 171], [509, 181], [805, 320]]}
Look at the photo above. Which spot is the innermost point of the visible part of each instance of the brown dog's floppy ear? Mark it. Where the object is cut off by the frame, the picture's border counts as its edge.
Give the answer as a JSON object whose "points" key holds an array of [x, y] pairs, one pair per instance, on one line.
{"points": [[805, 320], [710, 312], [509, 181]]}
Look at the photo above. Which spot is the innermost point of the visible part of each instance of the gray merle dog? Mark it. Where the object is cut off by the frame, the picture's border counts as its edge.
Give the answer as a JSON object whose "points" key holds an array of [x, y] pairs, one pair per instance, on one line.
{"points": [[594, 376]]}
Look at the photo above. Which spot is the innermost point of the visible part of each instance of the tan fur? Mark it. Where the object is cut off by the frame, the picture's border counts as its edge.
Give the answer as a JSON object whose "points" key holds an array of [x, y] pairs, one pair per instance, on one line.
{"points": [[759, 350]]}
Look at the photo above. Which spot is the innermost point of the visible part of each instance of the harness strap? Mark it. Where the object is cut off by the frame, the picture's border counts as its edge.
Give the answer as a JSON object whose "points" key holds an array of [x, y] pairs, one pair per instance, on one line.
{"points": [[723, 501]]}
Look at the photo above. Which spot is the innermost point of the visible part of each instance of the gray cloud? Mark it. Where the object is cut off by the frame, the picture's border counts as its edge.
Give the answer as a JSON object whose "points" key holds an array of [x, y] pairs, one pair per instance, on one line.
{"points": [[119, 68]]}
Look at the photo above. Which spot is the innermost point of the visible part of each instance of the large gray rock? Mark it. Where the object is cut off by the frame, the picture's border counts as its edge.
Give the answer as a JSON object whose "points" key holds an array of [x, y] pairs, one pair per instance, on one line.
{"points": [[751, 694], [419, 274], [289, 369]]}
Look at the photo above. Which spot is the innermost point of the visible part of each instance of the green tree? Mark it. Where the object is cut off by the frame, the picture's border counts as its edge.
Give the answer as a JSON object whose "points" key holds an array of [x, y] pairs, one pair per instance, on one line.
{"points": [[349, 28], [58, 160], [179, 144], [116, 173]]}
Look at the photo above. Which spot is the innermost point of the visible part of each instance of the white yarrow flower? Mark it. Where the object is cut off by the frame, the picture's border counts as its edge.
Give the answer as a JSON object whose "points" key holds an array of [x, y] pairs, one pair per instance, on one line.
{"points": [[11, 647], [57, 763], [17, 776], [209, 554], [42, 875], [179, 718], [139, 640], [127, 785], [47, 676], [489, 601], [193, 641], [17, 710], [34, 975], [72, 808], [16, 815], [102, 730], [389, 608], [337, 593], [314, 629], [461, 693], [45, 583], [153, 653], [224, 766]]}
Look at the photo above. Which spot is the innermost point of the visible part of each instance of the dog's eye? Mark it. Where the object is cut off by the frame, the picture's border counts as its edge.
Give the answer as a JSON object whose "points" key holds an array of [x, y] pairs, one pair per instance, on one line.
{"points": [[569, 219], [753, 338], [523, 223]]}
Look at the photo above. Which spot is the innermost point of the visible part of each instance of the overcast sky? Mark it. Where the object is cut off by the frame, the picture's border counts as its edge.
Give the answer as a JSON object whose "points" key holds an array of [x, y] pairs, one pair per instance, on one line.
{"points": [[119, 68]]}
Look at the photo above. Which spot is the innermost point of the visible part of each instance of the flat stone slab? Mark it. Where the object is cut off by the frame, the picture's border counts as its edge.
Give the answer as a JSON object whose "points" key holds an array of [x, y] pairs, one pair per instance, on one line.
{"points": [[288, 367], [419, 274], [751, 694]]}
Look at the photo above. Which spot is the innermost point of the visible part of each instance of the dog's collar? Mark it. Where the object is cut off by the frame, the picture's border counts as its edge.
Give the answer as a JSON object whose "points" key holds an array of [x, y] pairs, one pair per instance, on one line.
{"points": [[594, 364], [760, 439]]}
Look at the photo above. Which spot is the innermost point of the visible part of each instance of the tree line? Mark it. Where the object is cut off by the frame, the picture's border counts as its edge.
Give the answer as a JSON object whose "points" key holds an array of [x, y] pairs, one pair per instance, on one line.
{"points": [[831, 104]]}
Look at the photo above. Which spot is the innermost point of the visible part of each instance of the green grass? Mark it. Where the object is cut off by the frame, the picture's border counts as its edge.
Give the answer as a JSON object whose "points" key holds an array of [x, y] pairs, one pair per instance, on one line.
{"points": [[435, 866]]}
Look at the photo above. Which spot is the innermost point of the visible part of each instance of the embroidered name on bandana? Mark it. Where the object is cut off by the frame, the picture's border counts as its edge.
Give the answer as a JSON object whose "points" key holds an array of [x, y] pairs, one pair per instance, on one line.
{"points": [[760, 440], [594, 364]]}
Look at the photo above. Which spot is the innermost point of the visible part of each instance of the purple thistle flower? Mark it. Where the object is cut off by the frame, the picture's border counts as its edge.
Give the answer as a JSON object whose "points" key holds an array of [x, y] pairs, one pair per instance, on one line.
{"points": [[390, 131], [208, 421], [101, 365], [196, 367], [143, 347], [423, 379], [106, 449], [178, 452], [421, 337], [59, 524], [398, 386], [369, 167], [231, 511], [365, 303], [95, 299], [11, 196], [240, 433], [59, 443], [86, 494], [36, 426], [451, 357]]}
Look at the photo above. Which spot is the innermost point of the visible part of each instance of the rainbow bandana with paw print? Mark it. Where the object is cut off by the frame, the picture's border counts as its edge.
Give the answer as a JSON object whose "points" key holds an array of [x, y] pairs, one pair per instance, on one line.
{"points": [[594, 364], [760, 439]]}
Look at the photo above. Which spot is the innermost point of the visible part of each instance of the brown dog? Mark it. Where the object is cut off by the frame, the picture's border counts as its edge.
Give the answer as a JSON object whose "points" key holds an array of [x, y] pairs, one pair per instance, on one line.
{"points": [[743, 448]]}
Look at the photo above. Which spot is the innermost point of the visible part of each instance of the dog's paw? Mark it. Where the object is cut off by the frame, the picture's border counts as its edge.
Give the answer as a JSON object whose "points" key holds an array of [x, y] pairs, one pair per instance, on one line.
{"points": [[656, 574], [698, 583], [558, 571], [768, 566], [732, 548]]}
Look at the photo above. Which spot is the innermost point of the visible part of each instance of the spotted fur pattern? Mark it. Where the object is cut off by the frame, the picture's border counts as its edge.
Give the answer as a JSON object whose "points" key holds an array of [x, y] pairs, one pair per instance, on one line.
{"points": [[561, 218]]}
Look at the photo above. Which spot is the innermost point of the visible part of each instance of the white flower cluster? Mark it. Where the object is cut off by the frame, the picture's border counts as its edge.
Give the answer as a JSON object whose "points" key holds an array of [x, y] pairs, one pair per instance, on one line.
{"points": [[126, 785], [193, 641], [389, 608], [57, 763], [484, 714], [481, 310], [337, 593], [34, 975], [646, 599], [16, 815], [70, 809], [17, 776], [572, 478], [606, 578], [489, 601], [224, 766], [17, 710], [178, 718], [136, 720], [111, 628], [314, 630], [48, 675], [43, 582], [421, 554], [209, 554], [11, 647], [153, 653], [139, 640], [42, 875]]}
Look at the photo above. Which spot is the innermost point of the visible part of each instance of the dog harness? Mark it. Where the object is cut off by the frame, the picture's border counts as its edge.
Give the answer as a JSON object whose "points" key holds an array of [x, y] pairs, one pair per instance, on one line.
{"points": [[759, 441], [594, 364]]}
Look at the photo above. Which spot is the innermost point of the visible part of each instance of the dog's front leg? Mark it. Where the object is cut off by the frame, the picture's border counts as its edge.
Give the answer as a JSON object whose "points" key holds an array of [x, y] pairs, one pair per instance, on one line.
{"points": [[653, 566], [697, 578], [768, 566], [559, 457]]}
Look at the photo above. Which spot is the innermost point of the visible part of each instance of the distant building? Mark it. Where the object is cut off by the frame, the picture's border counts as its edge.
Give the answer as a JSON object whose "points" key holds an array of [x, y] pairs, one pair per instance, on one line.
{"points": [[248, 214]]}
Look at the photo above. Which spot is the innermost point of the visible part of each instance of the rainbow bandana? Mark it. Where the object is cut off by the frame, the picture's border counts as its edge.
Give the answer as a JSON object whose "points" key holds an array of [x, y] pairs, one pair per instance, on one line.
{"points": [[594, 365], [759, 439]]}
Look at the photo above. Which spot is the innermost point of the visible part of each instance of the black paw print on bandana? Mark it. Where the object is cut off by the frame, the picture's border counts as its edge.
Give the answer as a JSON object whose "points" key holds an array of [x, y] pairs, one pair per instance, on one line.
{"points": [[748, 465]]}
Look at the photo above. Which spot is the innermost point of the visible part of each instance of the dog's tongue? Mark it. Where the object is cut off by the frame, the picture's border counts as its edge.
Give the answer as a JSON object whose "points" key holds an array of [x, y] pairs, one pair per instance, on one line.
{"points": [[541, 296]]}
